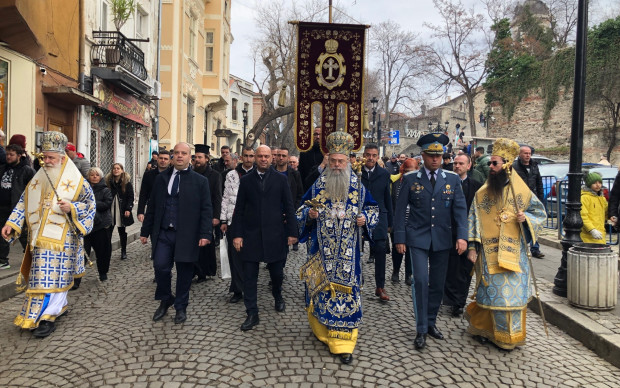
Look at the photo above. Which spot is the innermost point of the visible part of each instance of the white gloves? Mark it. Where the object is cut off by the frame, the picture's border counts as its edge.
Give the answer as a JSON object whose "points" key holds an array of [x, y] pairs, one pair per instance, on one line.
{"points": [[596, 234]]}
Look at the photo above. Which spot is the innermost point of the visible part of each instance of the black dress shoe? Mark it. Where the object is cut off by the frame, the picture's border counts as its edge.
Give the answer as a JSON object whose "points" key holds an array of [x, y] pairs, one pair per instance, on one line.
{"points": [[201, 279], [434, 332], [250, 322], [346, 358], [409, 280], [420, 341], [164, 305], [457, 311], [45, 328], [236, 298], [180, 317], [395, 278], [123, 255], [280, 305], [371, 259], [538, 254], [103, 277]]}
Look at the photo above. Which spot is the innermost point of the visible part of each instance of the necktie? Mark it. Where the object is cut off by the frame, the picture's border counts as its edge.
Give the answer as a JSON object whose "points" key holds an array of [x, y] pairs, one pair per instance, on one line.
{"points": [[175, 184], [261, 176], [433, 179]]}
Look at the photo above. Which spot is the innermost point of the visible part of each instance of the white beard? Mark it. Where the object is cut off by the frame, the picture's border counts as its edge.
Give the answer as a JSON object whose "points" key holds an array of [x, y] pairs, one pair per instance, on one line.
{"points": [[54, 174], [337, 183]]}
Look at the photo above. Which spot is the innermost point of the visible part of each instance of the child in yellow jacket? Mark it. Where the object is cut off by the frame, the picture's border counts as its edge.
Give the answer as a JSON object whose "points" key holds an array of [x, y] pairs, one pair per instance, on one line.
{"points": [[593, 210]]}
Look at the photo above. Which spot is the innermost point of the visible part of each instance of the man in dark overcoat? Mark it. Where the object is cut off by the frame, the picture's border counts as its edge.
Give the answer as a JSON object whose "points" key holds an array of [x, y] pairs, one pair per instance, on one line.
{"points": [[207, 261], [377, 181], [263, 225], [435, 198], [459, 267], [178, 219]]}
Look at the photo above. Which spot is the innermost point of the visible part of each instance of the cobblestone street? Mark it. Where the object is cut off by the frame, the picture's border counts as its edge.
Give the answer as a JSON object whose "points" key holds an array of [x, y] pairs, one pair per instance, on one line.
{"points": [[108, 338]]}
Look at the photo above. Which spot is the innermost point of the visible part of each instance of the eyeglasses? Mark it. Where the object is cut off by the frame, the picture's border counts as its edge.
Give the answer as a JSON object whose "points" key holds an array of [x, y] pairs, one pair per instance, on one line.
{"points": [[495, 163]]}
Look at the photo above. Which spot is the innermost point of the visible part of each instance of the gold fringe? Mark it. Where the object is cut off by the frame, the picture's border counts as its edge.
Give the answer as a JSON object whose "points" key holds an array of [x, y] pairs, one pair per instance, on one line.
{"points": [[340, 288], [345, 335], [20, 283], [50, 246]]}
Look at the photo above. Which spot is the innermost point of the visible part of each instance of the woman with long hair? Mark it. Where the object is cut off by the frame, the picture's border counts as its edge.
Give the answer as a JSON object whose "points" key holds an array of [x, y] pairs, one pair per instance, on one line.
{"points": [[119, 183], [100, 238]]}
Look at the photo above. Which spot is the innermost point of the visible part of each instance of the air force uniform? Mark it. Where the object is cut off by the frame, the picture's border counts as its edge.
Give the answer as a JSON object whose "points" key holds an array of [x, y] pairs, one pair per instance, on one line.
{"points": [[427, 231]]}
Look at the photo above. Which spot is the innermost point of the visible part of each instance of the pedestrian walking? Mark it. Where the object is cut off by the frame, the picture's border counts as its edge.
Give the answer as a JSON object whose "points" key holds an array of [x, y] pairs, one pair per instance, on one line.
{"points": [[100, 238], [120, 185]]}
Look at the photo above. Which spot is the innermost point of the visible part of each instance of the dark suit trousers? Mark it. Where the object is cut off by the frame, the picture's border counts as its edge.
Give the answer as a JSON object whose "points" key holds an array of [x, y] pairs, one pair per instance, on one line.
{"points": [[250, 280], [236, 268], [207, 261], [429, 276], [101, 243], [163, 260], [378, 249], [457, 279], [397, 259]]}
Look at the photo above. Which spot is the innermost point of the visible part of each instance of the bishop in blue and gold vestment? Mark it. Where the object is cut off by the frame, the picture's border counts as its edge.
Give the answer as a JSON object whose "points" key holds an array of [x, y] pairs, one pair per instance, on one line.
{"points": [[498, 247], [336, 207], [56, 225]]}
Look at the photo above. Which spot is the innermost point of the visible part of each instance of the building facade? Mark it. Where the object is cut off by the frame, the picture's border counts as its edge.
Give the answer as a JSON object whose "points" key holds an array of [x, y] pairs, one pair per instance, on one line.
{"points": [[195, 55]]}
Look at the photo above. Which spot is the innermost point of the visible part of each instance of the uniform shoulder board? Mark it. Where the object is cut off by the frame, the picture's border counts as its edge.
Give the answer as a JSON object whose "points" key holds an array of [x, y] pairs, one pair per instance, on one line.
{"points": [[449, 172]]}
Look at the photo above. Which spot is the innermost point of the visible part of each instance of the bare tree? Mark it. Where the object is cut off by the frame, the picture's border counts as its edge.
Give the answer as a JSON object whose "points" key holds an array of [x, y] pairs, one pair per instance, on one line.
{"points": [[458, 56], [499, 9], [563, 21], [275, 65]]}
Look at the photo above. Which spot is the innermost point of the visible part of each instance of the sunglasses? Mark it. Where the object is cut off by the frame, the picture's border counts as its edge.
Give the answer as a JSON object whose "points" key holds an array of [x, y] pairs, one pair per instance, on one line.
{"points": [[494, 163]]}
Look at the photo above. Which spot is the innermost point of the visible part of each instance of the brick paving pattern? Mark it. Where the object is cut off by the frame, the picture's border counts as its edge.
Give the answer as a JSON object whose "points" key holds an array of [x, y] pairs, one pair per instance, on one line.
{"points": [[109, 339]]}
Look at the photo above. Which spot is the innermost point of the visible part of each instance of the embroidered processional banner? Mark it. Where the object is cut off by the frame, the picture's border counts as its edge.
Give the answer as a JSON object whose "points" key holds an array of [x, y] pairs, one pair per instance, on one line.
{"points": [[330, 75]]}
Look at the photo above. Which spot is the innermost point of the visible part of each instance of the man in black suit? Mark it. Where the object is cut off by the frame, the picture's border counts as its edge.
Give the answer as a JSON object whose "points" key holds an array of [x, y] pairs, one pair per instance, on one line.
{"points": [[459, 267], [163, 163], [377, 181], [178, 220], [294, 179], [263, 225], [207, 262]]}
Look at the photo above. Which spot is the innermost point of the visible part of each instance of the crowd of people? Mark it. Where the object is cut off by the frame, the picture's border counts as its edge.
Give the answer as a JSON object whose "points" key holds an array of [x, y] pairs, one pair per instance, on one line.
{"points": [[442, 215]]}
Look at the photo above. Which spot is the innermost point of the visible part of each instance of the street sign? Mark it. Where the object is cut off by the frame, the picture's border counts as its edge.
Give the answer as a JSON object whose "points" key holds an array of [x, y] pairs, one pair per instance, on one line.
{"points": [[394, 137]]}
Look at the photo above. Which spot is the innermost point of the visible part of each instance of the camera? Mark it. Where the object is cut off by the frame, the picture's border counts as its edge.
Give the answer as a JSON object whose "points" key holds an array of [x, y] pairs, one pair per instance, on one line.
{"points": [[43, 70]]}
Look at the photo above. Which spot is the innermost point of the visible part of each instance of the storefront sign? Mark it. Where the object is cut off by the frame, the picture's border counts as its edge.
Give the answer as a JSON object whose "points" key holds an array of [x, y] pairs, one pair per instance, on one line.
{"points": [[121, 103]]}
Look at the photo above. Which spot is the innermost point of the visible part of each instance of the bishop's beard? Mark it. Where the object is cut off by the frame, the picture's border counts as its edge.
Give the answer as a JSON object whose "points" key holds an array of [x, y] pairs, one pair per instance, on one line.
{"points": [[337, 183], [54, 174], [496, 183]]}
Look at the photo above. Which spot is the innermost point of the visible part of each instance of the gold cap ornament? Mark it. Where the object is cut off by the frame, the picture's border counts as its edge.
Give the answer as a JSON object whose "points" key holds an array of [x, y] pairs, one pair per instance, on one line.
{"points": [[432, 143], [339, 142], [52, 141], [506, 149]]}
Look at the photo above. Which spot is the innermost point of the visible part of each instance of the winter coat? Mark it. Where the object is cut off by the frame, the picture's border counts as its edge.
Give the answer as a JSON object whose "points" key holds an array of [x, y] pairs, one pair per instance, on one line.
{"points": [[614, 198], [82, 164], [103, 199], [593, 213], [22, 174], [481, 165], [125, 199], [533, 179]]}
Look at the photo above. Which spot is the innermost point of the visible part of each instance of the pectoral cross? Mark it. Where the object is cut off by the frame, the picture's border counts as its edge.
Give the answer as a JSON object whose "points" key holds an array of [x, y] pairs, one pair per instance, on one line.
{"points": [[315, 203]]}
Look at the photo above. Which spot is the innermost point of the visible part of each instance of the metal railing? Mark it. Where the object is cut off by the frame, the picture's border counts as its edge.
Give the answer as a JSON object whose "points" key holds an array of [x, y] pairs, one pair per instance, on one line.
{"points": [[114, 49], [556, 207]]}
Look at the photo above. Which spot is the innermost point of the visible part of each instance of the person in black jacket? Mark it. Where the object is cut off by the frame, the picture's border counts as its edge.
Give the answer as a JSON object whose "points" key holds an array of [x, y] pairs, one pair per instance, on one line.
{"points": [[263, 225], [377, 181], [163, 163], [309, 160], [207, 261], [14, 176], [527, 168], [459, 267], [119, 183], [100, 238], [294, 179], [179, 221]]}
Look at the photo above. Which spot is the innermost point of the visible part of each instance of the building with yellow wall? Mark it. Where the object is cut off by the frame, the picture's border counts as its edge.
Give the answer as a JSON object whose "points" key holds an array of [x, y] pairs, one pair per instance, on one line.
{"points": [[194, 71]]}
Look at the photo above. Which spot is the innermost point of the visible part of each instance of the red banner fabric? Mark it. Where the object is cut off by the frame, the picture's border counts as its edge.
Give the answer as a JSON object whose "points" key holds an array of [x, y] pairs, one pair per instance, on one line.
{"points": [[330, 75]]}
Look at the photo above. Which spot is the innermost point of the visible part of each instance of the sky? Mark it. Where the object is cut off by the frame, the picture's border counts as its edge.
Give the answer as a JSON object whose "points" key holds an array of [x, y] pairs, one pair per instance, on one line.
{"points": [[410, 14]]}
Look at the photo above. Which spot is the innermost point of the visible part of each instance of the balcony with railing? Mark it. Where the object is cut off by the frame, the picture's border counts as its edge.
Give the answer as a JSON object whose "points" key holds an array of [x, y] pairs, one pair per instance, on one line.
{"points": [[113, 49]]}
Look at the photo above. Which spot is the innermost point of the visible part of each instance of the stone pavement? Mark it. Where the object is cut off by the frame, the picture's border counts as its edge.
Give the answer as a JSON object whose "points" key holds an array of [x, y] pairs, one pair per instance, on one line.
{"points": [[109, 339]]}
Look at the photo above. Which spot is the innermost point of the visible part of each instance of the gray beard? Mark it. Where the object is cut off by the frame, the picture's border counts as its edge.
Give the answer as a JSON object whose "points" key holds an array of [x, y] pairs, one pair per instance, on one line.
{"points": [[54, 174], [337, 183]]}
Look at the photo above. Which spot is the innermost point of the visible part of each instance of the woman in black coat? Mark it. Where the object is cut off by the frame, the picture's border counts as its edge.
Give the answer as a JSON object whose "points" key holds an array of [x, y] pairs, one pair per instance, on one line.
{"points": [[100, 238], [122, 192]]}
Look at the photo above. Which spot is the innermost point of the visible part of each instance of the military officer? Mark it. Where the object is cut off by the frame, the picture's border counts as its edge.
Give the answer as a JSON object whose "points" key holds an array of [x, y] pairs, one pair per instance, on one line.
{"points": [[434, 197]]}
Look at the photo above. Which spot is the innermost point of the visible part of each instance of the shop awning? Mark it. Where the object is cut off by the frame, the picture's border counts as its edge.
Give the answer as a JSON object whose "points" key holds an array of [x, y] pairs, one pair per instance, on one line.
{"points": [[70, 95]]}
